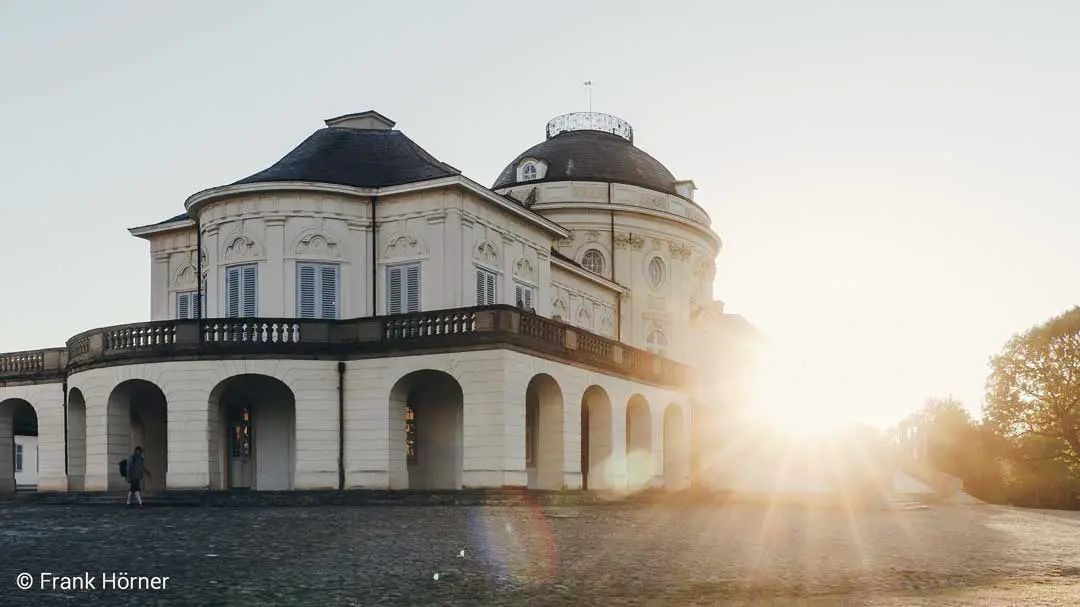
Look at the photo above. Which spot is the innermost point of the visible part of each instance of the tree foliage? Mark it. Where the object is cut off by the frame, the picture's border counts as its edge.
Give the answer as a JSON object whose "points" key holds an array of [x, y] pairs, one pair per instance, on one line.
{"points": [[1033, 392]]}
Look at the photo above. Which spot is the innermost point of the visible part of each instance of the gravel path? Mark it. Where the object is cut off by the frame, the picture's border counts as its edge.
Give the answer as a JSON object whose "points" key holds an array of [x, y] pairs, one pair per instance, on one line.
{"points": [[950, 555]]}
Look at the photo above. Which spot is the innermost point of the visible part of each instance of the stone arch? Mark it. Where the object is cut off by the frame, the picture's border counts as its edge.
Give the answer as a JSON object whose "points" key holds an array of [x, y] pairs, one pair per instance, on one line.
{"points": [[252, 433], [137, 415], [76, 455], [597, 450], [427, 432], [18, 441], [544, 433], [639, 457], [676, 452]]}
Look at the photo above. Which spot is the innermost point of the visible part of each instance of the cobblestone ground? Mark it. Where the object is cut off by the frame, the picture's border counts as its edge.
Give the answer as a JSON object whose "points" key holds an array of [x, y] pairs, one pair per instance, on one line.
{"points": [[950, 555]]}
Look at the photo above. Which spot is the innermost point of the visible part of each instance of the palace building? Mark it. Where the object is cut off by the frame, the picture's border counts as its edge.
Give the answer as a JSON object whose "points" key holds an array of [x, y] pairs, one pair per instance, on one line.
{"points": [[362, 315]]}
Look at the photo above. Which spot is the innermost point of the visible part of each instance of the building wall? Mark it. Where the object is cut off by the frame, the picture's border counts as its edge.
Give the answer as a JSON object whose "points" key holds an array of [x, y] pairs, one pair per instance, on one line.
{"points": [[492, 385], [635, 227], [29, 473]]}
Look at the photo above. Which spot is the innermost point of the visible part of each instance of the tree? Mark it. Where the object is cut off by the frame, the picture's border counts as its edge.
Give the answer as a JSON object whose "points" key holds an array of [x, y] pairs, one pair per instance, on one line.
{"points": [[1034, 390]]}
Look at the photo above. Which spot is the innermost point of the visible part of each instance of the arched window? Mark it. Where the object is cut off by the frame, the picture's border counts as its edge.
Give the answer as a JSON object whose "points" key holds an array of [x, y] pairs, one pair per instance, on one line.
{"points": [[593, 261], [657, 272], [656, 342], [528, 172]]}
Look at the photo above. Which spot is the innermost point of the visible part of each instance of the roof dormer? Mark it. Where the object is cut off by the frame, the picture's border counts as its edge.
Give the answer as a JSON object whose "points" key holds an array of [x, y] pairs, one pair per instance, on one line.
{"points": [[370, 120]]}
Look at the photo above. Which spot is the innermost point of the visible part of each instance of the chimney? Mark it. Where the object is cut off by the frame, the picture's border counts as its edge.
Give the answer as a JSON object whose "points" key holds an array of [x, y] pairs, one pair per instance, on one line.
{"points": [[370, 119]]}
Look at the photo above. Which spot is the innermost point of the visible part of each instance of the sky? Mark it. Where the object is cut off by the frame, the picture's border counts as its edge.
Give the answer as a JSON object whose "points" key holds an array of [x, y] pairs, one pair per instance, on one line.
{"points": [[895, 183]]}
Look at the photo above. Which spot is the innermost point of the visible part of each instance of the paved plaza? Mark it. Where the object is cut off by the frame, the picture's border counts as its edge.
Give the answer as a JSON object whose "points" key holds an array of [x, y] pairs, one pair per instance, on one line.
{"points": [[655, 555]]}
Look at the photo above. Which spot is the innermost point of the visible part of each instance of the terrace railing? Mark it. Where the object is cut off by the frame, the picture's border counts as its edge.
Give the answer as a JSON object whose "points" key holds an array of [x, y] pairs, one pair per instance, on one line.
{"points": [[440, 330]]}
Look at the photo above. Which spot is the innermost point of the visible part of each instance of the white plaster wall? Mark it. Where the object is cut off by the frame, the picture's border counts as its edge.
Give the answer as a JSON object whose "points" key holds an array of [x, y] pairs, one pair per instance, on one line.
{"points": [[492, 447], [583, 303], [29, 474], [48, 403]]}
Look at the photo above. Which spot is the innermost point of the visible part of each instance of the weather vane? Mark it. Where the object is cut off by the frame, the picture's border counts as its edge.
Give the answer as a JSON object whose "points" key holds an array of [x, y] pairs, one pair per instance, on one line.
{"points": [[588, 83]]}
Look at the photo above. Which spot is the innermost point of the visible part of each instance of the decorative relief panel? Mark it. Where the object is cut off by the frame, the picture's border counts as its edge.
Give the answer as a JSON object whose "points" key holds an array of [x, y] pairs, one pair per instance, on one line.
{"points": [[559, 306], [523, 269], [185, 277], [487, 253], [317, 244], [240, 247], [584, 316], [403, 245], [632, 240], [680, 250], [592, 236], [569, 240]]}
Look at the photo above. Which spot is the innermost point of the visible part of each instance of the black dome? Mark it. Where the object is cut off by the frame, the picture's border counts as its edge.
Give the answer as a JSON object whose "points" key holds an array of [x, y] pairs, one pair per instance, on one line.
{"points": [[363, 158], [587, 155]]}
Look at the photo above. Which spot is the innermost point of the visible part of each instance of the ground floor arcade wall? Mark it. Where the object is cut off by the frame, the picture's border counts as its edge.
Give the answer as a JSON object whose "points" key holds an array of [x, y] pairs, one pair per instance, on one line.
{"points": [[483, 419]]}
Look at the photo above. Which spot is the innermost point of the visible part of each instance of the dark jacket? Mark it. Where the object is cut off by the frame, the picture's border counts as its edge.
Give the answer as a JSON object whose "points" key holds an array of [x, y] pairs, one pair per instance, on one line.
{"points": [[136, 466]]}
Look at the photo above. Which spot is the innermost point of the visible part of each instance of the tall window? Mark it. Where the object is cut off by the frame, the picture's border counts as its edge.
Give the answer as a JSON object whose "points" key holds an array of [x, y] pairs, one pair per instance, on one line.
{"points": [[241, 291], [403, 288], [593, 261], [187, 305], [523, 294], [317, 290], [410, 435], [531, 427], [656, 342], [18, 458], [485, 287]]}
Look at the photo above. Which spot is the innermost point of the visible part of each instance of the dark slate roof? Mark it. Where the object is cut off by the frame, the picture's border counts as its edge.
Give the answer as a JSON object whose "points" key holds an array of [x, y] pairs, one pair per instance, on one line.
{"points": [[180, 217], [363, 158], [593, 156]]}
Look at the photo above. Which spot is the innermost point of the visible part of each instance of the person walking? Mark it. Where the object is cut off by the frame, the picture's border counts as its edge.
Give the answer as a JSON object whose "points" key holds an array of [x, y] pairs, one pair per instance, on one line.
{"points": [[136, 468]]}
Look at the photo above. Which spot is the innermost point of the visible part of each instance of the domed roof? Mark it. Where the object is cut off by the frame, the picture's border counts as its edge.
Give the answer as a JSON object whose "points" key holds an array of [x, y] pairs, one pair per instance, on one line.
{"points": [[598, 148], [360, 157]]}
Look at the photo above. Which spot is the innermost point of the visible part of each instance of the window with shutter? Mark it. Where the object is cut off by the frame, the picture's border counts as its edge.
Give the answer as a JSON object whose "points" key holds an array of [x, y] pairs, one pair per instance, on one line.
{"points": [[403, 288], [187, 305], [485, 287], [241, 291], [317, 290], [523, 295]]}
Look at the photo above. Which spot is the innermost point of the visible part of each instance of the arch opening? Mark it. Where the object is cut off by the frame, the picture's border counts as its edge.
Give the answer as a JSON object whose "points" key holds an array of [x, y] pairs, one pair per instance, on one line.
{"points": [[544, 433], [596, 440], [427, 431], [137, 417], [676, 452], [639, 457], [253, 434], [18, 446], [76, 456]]}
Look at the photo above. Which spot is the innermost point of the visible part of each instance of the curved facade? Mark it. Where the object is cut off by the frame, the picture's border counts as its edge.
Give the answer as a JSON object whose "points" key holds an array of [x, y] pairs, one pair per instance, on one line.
{"points": [[360, 315]]}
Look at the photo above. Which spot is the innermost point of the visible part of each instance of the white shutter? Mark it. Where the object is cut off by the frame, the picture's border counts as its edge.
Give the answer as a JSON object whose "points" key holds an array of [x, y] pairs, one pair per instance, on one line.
{"points": [[528, 298], [485, 287], [328, 291], [250, 291], [412, 288], [519, 297], [232, 292], [183, 306], [305, 284], [393, 290]]}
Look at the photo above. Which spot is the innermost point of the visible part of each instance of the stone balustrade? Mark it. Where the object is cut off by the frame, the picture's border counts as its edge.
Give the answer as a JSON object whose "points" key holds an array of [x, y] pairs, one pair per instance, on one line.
{"points": [[440, 330]]}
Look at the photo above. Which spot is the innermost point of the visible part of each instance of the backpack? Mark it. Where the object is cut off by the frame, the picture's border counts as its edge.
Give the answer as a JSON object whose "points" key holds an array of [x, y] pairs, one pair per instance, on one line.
{"points": [[123, 468]]}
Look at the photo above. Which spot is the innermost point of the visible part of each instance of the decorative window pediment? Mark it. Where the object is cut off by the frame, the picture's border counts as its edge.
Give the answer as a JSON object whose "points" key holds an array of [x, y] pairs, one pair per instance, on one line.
{"points": [[317, 244], [240, 247], [403, 245], [487, 253]]}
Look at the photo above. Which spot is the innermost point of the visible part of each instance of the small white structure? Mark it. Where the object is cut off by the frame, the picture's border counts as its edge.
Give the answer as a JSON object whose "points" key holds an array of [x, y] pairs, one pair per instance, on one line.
{"points": [[360, 314], [26, 461]]}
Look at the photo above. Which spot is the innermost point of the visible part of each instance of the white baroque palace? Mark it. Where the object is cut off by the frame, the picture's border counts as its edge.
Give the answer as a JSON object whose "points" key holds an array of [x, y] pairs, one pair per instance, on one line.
{"points": [[361, 315]]}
